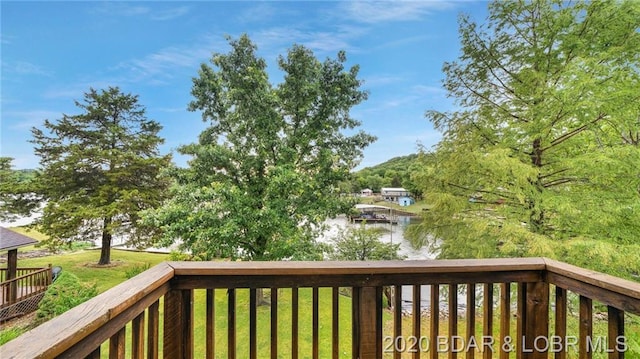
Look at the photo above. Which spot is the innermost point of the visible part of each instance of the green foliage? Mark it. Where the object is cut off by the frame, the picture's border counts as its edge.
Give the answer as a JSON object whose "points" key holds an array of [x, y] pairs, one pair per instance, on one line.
{"points": [[17, 197], [99, 170], [267, 170], [65, 293], [179, 256], [10, 334], [135, 270], [395, 172], [363, 244], [543, 152]]}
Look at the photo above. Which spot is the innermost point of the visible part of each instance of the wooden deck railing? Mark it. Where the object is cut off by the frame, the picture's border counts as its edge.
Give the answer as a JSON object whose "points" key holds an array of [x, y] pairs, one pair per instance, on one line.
{"points": [[19, 272], [21, 295], [507, 307]]}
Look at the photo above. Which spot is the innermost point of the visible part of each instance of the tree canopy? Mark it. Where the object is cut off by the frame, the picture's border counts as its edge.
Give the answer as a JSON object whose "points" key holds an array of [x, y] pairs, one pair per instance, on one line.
{"points": [[265, 173], [542, 156], [99, 169], [17, 194], [363, 244]]}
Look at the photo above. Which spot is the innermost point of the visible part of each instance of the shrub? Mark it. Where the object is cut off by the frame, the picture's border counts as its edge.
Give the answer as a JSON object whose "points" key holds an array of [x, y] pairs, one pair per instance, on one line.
{"points": [[134, 271], [179, 256], [65, 293]]}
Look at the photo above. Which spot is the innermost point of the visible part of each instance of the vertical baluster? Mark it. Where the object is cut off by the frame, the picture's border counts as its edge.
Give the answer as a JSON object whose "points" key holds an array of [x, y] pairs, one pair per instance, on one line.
{"points": [[615, 332], [397, 318], [137, 337], [117, 345], [416, 311], [505, 317], [487, 322], [335, 320], [435, 319], [253, 340], [294, 323], [231, 323], [94, 354], [561, 321], [355, 322], [153, 330], [314, 322], [585, 326], [453, 319], [521, 320], [274, 323], [210, 336], [471, 317]]}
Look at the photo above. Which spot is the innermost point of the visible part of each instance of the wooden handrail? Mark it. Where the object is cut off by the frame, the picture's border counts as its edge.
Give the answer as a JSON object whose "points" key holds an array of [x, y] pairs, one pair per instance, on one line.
{"points": [[81, 331], [24, 276], [604, 288]]}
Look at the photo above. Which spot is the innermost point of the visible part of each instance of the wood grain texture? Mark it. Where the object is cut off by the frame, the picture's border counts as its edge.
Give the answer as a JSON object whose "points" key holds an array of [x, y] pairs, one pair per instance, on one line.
{"points": [[81, 331]]}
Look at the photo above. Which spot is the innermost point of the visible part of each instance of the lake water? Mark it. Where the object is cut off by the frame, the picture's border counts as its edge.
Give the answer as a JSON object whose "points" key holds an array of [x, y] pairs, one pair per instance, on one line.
{"points": [[395, 234]]}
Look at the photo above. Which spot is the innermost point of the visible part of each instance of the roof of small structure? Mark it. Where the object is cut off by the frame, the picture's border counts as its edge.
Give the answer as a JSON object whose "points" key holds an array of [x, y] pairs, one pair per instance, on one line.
{"points": [[371, 207], [12, 240], [393, 189]]}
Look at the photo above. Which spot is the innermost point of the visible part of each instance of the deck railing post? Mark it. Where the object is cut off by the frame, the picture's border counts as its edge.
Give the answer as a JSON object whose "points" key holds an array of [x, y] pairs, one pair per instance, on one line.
{"points": [[369, 325], [178, 324], [535, 321]]}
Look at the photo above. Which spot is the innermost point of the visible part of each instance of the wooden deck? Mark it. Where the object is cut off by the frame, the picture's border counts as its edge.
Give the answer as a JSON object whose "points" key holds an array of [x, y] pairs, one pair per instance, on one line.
{"points": [[21, 295], [511, 301]]}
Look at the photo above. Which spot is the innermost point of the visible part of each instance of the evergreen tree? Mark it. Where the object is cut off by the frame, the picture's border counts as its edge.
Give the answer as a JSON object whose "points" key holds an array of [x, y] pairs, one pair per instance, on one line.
{"points": [[100, 168], [542, 154]]}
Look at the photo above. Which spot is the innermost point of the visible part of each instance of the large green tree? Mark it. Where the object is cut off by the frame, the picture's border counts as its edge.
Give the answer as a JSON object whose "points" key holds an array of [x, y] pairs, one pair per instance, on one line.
{"points": [[541, 156], [17, 194], [99, 169], [264, 175]]}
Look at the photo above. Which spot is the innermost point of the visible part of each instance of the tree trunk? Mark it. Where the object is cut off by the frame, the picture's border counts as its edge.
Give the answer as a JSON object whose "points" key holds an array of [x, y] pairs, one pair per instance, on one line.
{"points": [[105, 252], [261, 299], [536, 215]]}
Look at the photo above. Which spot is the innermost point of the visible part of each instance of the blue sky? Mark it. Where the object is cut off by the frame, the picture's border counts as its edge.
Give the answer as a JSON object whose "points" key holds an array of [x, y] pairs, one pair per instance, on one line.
{"points": [[53, 52]]}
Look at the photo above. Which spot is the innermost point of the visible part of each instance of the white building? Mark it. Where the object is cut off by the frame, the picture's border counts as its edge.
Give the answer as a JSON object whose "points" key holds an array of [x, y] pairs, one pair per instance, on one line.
{"points": [[392, 194]]}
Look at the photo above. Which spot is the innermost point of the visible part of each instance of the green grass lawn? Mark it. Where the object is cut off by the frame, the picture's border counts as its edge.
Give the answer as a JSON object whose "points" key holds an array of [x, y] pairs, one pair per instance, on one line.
{"points": [[84, 265]]}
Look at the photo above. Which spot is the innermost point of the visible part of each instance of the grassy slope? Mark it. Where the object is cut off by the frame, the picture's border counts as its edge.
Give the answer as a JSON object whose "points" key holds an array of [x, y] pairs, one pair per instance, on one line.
{"points": [[83, 265]]}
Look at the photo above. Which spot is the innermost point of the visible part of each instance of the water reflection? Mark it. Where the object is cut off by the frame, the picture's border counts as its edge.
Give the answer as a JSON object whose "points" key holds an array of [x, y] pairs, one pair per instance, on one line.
{"points": [[392, 233], [395, 234]]}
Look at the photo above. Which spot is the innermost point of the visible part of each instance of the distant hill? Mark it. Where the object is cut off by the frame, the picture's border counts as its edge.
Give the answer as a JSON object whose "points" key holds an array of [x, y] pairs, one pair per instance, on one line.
{"points": [[395, 172], [399, 163]]}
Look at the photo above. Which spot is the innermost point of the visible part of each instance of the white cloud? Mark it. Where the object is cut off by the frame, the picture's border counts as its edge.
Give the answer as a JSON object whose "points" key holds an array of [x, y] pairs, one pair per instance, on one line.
{"points": [[23, 120], [24, 68], [381, 80], [169, 14], [259, 13], [429, 90], [133, 9], [122, 9], [382, 11], [324, 42], [5, 39], [166, 62]]}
